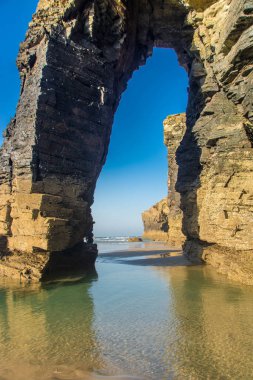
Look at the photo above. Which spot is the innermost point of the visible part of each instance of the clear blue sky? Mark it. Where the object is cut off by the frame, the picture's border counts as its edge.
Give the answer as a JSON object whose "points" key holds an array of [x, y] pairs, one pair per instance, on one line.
{"points": [[16, 15], [135, 174]]}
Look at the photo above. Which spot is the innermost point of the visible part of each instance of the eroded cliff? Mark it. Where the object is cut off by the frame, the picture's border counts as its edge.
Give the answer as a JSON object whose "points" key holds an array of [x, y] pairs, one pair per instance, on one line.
{"points": [[174, 130], [155, 221], [163, 221], [74, 65]]}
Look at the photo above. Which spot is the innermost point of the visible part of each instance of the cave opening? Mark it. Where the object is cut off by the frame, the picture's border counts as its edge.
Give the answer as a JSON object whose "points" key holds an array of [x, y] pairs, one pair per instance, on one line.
{"points": [[134, 177]]}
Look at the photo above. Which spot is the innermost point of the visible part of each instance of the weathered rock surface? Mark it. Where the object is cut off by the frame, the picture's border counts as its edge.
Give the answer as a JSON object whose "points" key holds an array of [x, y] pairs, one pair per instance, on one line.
{"points": [[135, 239], [174, 130], [155, 221], [164, 221], [74, 65]]}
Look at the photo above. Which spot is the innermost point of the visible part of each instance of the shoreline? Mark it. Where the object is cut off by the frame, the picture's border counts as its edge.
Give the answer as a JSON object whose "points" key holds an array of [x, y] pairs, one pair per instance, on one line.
{"points": [[151, 254]]}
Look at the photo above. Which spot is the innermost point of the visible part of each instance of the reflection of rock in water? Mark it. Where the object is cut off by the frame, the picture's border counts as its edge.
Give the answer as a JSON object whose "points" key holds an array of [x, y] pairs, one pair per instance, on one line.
{"points": [[213, 333], [47, 329]]}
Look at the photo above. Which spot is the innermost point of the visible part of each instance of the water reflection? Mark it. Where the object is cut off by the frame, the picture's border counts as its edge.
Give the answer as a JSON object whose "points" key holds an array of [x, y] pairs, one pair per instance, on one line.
{"points": [[213, 325], [152, 322], [45, 328]]}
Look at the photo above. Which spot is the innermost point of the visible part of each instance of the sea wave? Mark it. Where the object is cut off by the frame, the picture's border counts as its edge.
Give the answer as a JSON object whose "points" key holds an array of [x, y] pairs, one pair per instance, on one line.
{"points": [[111, 239]]}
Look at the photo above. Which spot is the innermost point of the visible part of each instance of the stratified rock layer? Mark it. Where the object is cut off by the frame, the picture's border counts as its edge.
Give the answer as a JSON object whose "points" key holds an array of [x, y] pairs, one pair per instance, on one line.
{"points": [[74, 65], [174, 130], [164, 220], [155, 221]]}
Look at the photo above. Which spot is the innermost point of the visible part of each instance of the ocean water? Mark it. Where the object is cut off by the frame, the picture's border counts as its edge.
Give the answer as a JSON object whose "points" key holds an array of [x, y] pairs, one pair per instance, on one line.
{"points": [[128, 319], [121, 243], [111, 244]]}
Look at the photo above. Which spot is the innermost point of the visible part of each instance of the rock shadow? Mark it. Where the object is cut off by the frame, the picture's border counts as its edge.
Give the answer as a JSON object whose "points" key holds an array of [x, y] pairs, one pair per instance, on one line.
{"points": [[77, 261]]}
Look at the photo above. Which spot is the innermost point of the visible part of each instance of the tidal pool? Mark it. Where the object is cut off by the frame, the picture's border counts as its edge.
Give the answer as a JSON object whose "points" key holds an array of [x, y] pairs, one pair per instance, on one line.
{"points": [[146, 321]]}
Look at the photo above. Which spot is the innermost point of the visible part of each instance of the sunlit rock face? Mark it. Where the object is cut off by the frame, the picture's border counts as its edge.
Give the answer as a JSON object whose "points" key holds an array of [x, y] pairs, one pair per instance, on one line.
{"points": [[155, 221], [163, 221], [174, 131], [74, 65]]}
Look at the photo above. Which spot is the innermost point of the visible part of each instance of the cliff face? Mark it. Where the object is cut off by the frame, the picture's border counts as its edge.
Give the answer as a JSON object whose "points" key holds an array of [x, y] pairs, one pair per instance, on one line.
{"points": [[74, 65], [218, 222], [155, 221], [174, 130], [164, 220]]}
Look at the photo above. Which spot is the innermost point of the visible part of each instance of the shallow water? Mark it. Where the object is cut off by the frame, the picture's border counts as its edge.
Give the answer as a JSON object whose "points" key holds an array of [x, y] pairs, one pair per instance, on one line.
{"points": [[107, 245], [150, 322]]}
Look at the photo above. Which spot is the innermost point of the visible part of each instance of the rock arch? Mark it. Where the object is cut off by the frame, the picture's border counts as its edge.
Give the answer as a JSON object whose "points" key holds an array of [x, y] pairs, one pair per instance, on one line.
{"points": [[74, 65]]}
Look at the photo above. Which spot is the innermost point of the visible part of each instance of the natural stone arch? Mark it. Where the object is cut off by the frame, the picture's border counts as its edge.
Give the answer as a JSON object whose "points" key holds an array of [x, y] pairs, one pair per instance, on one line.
{"points": [[74, 65]]}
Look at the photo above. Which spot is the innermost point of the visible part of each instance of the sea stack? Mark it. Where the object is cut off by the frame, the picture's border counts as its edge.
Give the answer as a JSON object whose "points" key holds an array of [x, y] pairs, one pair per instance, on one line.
{"points": [[155, 221]]}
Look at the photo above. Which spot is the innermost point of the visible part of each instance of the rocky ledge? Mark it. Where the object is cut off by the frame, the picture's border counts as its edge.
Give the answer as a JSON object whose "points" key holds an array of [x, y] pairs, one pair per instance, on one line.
{"points": [[44, 265]]}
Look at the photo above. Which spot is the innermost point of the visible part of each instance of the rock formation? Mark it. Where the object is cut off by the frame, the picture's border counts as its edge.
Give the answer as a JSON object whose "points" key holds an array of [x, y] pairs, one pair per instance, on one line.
{"points": [[155, 221], [163, 221], [174, 130], [74, 65], [135, 239]]}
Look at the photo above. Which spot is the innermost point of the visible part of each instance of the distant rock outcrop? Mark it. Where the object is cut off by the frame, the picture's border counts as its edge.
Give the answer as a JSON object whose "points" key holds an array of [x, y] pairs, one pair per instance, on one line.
{"points": [[155, 221], [135, 239]]}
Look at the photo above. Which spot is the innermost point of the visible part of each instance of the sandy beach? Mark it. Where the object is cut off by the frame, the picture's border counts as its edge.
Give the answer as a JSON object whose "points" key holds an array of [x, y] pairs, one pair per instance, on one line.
{"points": [[148, 254]]}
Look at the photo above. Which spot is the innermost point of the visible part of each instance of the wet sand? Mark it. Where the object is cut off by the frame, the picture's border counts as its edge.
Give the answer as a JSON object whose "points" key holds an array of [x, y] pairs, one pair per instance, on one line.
{"points": [[151, 254]]}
